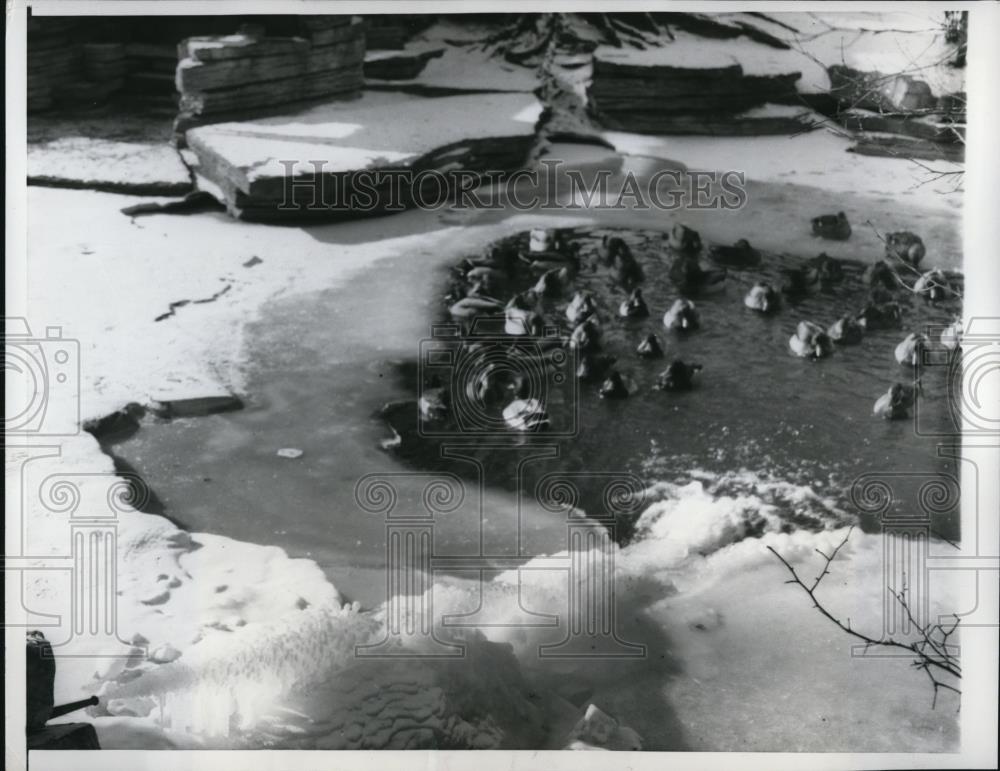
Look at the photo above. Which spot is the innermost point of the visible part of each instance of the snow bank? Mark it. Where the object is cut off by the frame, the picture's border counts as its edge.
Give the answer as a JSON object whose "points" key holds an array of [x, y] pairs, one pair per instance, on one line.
{"points": [[723, 628]]}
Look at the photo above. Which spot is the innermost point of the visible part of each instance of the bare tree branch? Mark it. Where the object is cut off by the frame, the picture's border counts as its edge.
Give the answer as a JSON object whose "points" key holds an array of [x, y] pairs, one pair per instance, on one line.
{"points": [[931, 651]]}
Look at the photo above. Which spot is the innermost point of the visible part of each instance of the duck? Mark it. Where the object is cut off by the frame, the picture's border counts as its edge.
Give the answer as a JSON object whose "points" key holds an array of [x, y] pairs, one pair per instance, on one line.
{"points": [[810, 341], [828, 269], [501, 256], [880, 296], [895, 403], [692, 279], [466, 310], [683, 239], [580, 307], [649, 347], [525, 412], [479, 289], [520, 316], [434, 402], [881, 316], [762, 298], [541, 240], [910, 352], [933, 286], [798, 281], [846, 331], [634, 307], [881, 274], [592, 366], [629, 271], [586, 336], [567, 265], [682, 316], [834, 227], [612, 248], [906, 247], [951, 336], [613, 387], [739, 255], [485, 281], [678, 376], [551, 283]]}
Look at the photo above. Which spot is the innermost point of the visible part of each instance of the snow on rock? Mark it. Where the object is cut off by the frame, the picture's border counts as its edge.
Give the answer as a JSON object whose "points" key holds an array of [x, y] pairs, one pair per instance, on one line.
{"points": [[267, 168], [460, 66], [690, 51], [137, 168]]}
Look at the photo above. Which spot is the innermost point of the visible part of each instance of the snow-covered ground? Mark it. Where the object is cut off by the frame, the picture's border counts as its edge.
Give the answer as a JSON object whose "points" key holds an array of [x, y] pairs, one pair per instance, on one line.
{"points": [[741, 661]]}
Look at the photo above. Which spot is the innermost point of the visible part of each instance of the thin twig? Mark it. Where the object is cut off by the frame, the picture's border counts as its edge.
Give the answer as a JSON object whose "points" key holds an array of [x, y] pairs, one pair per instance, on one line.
{"points": [[932, 656]]}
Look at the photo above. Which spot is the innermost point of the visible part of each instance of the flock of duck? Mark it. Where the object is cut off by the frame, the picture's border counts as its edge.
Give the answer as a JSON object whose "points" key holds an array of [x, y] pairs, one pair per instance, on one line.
{"points": [[556, 262]]}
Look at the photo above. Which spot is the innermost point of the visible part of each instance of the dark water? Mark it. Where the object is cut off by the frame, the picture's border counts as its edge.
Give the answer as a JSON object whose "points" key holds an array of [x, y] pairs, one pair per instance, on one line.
{"points": [[323, 365], [756, 405]]}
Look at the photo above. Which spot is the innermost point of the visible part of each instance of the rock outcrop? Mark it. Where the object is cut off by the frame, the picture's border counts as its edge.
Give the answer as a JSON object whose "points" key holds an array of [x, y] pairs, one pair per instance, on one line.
{"points": [[136, 168], [898, 115], [338, 161], [642, 95], [64, 71], [241, 75]]}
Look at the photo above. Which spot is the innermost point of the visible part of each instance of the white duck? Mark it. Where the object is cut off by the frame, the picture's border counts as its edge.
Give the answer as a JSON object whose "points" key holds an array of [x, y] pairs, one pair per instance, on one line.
{"points": [[525, 413], [682, 316], [951, 336], [895, 403], [810, 341], [582, 306], [762, 298], [910, 352], [520, 317]]}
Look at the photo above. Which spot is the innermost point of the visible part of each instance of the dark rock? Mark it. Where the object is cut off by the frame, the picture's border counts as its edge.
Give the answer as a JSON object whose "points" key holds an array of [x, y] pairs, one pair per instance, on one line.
{"points": [[872, 90], [664, 99], [117, 426], [906, 147], [195, 75], [40, 677], [398, 66], [925, 128], [196, 201], [65, 736], [197, 407]]}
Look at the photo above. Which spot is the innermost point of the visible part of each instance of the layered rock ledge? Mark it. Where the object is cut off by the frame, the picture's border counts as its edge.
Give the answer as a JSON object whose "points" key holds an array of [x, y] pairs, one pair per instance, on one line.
{"points": [[315, 164]]}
